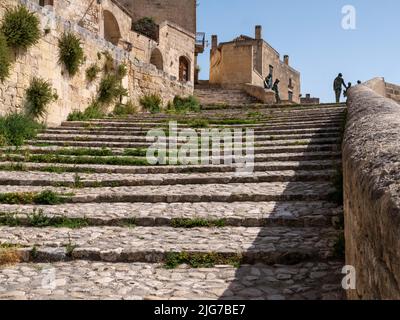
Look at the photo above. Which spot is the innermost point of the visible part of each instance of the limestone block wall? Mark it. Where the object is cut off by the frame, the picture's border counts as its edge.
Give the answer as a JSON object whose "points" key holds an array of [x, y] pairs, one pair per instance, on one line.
{"points": [[385, 89], [393, 91], [371, 163], [75, 93]]}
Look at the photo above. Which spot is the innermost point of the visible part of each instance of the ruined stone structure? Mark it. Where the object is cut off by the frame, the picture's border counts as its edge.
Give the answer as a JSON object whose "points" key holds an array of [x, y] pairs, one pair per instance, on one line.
{"points": [[372, 191], [247, 60], [165, 67]]}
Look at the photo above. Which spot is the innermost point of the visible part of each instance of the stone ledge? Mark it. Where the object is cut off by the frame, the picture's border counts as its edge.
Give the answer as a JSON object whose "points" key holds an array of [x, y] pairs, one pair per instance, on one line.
{"points": [[371, 160]]}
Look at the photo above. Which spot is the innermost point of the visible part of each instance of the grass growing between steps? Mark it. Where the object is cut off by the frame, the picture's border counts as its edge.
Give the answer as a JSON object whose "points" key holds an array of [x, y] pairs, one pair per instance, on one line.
{"points": [[201, 260], [38, 220], [46, 197], [50, 169], [197, 223]]}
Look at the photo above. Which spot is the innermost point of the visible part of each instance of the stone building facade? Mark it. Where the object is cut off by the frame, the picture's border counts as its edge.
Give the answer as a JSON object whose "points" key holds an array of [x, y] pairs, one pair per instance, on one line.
{"points": [[247, 60], [102, 26]]}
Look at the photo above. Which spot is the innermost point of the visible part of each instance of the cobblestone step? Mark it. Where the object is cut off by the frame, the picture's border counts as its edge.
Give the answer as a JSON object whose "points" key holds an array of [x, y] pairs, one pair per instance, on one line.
{"points": [[139, 281], [141, 244], [114, 180], [235, 192], [238, 214], [259, 166]]}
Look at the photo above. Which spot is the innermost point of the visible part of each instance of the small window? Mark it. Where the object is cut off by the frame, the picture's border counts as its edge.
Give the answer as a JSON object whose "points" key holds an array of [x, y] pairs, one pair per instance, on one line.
{"points": [[271, 70], [43, 3], [290, 95], [290, 83]]}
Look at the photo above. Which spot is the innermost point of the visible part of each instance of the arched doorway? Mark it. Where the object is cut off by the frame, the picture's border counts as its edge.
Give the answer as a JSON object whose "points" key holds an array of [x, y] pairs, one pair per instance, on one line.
{"points": [[111, 28], [156, 59], [184, 69]]}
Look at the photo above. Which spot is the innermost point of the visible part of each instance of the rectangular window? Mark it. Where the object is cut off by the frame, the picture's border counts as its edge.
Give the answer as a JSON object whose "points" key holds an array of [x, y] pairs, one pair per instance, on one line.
{"points": [[271, 70], [290, 83], [290, 95]]}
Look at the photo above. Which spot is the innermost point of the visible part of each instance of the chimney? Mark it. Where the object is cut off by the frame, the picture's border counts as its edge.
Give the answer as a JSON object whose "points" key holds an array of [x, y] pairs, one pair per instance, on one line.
{"points": [[286, 59], [258, 32], [214, 42]]}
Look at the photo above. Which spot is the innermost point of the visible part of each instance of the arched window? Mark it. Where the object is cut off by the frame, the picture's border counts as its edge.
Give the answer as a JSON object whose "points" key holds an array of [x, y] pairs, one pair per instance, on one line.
{"points": [[111, 28], [156, 59], [184, 69]]}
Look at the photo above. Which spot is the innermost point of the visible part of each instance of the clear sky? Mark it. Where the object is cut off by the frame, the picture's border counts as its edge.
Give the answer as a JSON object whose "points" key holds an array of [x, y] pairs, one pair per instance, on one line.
{"points": [[311, 32]]}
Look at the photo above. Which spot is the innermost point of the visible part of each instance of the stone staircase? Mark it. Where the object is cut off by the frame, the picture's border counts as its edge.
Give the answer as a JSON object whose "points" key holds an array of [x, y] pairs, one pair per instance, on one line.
{"points": [[211, 95], [129, 230]]}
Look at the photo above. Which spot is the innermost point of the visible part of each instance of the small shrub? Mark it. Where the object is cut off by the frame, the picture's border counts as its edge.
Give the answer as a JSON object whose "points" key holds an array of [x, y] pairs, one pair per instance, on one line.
{"points": [[20, 27], [151, 102], [92, 72], [70, 52], [38, 96], [109, 62], [189, 104], [125, 109], [147, 27], [198, 123], [47, 197], [15, 128], [5, 58], [122, 71], [110, 89]]}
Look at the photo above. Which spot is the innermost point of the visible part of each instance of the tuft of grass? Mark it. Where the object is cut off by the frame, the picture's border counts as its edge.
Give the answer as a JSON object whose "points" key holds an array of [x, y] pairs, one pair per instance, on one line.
{"points": [[135, 152], [77, 181], [151, 103], [20, 27], [197, 223], [15, 128], [110, 89], [125, 109], [200, 260], [198, 123], [38, 96], [92, 72], [46, 197], [93, 111], [9, 256], [70, 54], [5, 58], [183, 105], [122, 71]]}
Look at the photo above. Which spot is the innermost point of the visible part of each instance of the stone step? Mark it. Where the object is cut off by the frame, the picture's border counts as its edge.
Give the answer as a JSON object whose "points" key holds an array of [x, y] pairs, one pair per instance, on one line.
{"points": [[238, 214], [284, 126], [259, 166], [140, 281], [143, 141], [119, 180], [259, 134], [235, 192], [155, 125], [153, 245]]}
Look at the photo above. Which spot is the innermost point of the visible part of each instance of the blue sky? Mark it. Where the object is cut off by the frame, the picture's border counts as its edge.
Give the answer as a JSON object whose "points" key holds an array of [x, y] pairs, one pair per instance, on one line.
{"points": [[311, 32]]}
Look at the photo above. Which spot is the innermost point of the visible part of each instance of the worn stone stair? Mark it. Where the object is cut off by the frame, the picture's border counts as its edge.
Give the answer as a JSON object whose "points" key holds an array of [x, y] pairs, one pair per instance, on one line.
{"points": [[121, 228], [217, 96]]}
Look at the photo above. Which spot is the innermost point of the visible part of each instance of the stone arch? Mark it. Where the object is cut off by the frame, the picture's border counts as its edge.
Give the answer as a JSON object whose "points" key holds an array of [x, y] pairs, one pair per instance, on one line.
{"points": [[112, 32], [156, 59], [184, 69]]}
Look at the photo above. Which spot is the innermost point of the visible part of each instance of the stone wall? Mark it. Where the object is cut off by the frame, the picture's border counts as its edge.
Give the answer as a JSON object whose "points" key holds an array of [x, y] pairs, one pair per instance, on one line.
{"points": [[393, 91], [371, 162], [180, 12], [75, 93]]}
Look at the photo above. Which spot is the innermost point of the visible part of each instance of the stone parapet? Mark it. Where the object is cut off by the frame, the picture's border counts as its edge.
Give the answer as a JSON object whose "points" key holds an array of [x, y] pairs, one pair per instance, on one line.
{"points": [[371, 163]]}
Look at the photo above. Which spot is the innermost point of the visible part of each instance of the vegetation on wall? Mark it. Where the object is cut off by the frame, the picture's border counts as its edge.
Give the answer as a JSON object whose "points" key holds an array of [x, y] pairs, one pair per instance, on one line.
{"points": [[15, 128], [110, 89], [71, 54], [151, 102], [108, 63], [147, 27], [94, 111], [38, 96], [5, 58], [20, 27], [92, 72]]}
